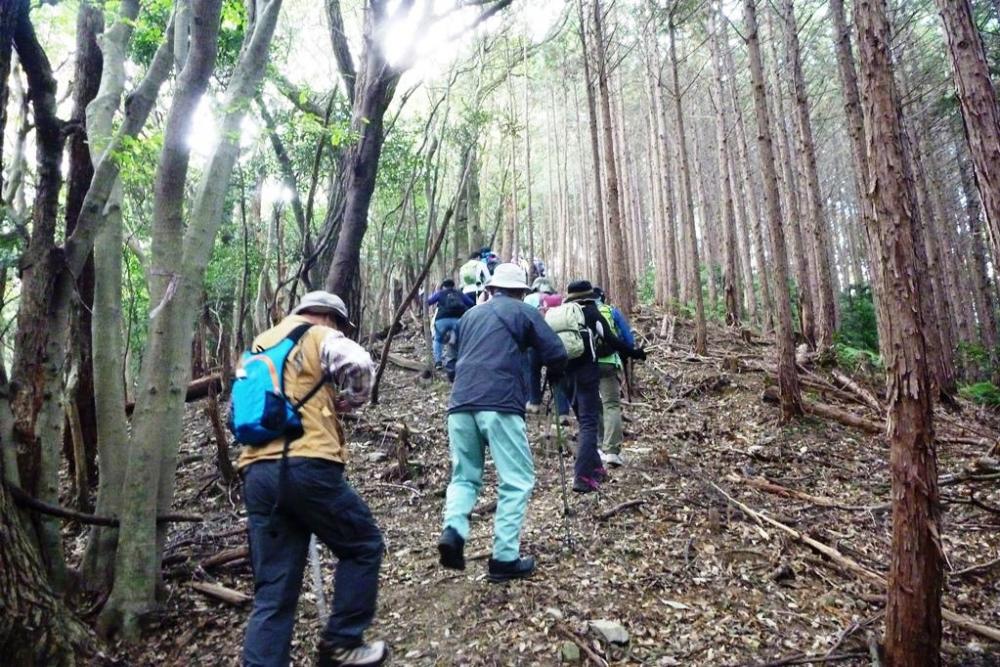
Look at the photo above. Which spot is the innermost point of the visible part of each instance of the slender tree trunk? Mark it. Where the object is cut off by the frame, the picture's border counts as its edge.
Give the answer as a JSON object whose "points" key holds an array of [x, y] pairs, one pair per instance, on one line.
{"points": [[913, 613], [601, 255], [980, 108], [701, 333], [826, 308], [667, 184], [788, 379], [728, 212]]}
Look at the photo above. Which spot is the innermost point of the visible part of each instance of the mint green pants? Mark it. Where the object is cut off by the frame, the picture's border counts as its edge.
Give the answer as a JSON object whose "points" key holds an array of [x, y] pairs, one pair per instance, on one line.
{"points": [[468, 435]]}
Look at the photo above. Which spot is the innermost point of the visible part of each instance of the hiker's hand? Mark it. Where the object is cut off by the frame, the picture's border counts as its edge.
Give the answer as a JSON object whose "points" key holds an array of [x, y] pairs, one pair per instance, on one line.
{"points": [[639, 354]]}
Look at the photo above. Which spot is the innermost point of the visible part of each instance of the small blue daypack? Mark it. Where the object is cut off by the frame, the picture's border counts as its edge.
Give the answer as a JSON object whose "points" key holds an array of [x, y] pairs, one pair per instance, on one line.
{"points": [[259, 411]]}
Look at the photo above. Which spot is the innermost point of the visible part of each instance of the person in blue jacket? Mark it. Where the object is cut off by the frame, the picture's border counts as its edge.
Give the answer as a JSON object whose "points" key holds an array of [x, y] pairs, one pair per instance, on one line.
{"points": [[610, 434], [487, 407], [451, 305]]}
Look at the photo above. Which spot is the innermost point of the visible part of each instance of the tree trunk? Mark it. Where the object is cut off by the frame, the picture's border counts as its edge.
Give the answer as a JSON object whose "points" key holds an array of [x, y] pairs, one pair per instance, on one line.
{"points": [[151, 471], [728, 212], [818, 230], [603, 271], [913, 613], [980, 108], [667, 184], [701, 333], [788, 380]]}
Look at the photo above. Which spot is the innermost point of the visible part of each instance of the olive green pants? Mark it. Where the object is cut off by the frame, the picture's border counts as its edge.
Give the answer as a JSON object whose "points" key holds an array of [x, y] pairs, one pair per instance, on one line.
{"points": [[610, 433]]}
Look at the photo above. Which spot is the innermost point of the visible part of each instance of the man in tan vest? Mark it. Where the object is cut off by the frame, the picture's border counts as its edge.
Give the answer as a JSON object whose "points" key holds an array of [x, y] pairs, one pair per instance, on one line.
{"points": [[287, 501]]}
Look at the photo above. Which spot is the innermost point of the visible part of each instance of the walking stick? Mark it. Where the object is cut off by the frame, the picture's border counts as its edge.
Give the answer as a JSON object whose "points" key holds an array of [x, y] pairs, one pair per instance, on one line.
{"points": [[317, 579]]}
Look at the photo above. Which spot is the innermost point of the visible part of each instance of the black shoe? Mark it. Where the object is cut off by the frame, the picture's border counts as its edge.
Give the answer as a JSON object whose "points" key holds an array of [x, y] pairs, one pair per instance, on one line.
{"points": [[505, 570], [586, 485], [366, 655], [451, 546]]}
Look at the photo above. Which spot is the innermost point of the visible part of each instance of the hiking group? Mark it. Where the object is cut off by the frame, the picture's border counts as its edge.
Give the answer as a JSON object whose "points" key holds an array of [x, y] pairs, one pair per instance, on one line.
{"points": [[493, 337]]}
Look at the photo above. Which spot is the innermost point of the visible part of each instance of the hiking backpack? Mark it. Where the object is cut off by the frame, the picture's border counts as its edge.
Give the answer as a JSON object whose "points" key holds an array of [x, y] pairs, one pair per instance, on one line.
{"points": [[451, 304], [570, 325], [259, 410]]}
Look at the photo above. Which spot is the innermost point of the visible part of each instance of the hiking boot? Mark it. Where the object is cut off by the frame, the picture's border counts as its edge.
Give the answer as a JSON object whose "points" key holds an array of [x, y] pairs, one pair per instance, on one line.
{"points": [[365, 655], [506, 570], [613, 460], [451, 547], [585, 485], [601, 475]]}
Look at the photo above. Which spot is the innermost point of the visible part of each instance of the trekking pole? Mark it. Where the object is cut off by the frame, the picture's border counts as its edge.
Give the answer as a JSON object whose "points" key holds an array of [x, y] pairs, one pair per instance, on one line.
{"points": [[317, 579]]}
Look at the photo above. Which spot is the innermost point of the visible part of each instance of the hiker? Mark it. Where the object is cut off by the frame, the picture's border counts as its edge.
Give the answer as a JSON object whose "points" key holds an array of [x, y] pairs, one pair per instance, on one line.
{"points": [[451, 305], [609, 427], [300, 492], [542, 296], [587, 337], [473, 275], [487, 406]]}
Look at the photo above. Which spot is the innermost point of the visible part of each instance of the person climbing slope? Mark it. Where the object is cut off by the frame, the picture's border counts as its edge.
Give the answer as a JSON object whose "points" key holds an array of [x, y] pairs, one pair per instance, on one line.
{"points": [[587, 336], [294, 486], [487, 407], [451, 305], [610, 433]]}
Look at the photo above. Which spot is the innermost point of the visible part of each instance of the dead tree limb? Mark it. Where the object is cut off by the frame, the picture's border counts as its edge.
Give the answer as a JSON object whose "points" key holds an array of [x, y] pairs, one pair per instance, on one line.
{"points": [[23, 499], [197, 389], [618, 509], [866, 397], [220, 593]]}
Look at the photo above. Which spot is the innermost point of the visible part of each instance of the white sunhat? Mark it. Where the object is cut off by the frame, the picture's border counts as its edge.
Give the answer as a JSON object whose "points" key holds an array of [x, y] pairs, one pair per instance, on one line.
{"points": [[320, 300], [509, 276]]}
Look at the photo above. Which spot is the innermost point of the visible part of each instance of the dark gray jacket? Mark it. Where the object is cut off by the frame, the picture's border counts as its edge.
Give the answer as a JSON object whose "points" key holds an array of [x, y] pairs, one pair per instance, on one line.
{"points": [[492, 340]]}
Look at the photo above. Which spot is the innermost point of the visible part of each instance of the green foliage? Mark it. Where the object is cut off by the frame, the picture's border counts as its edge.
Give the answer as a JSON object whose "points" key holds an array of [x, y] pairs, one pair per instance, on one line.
{"points": [[974, 357], [858, 326], [856, 360], [150, 26], [647, 285], [982, 393]]}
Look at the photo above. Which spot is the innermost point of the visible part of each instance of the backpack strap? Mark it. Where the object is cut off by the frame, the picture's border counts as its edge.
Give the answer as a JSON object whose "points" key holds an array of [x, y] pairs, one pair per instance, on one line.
{"points": [[520, 345]]}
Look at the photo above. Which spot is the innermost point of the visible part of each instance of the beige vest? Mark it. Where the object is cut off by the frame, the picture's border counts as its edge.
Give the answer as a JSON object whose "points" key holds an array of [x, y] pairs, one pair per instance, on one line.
{"points": [[322, 432]]}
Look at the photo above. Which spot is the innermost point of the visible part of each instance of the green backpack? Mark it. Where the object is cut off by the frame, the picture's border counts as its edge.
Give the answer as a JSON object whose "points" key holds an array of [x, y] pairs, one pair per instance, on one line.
{"points": [[570, 325]]}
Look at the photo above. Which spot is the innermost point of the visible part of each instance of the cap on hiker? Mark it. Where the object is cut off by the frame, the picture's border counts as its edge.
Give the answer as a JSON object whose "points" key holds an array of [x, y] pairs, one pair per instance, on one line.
{"points": [[542, 284], [323, 302], [447, 283], [599, 293], [579, 290], [509, 276]]}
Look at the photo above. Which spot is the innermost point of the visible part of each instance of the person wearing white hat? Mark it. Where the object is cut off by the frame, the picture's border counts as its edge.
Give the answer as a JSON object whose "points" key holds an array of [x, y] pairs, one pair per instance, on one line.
{"points": [[487, 407], [294, 487]]}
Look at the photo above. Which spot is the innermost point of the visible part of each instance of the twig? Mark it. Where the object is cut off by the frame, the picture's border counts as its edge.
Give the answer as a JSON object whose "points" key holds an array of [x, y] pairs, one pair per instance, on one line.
{"points": [[589, 652], [975, 568], [221, 593], [618, 509]]}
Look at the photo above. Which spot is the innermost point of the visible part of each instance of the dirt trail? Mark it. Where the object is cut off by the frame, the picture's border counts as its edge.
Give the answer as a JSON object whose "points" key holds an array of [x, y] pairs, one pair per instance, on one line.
{"points": [[693, 580]]}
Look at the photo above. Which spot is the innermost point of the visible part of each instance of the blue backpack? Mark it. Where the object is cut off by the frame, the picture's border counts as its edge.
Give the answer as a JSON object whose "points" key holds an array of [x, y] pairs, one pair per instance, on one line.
{"points": [[259, 411]]}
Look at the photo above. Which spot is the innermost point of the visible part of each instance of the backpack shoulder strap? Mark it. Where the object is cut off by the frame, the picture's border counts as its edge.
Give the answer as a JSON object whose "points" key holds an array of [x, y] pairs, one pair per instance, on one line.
{"points": [[296, 334]]}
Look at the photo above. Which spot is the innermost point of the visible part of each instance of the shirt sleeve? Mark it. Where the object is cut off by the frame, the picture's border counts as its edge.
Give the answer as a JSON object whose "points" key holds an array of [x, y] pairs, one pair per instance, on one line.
{"points": [[349, 367], [434, 298], [623, 327], [468, 300]]}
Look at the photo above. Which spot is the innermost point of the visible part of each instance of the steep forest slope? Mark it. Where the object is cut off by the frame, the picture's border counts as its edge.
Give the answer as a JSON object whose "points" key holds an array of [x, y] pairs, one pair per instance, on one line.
{"points": [[665, 550]]}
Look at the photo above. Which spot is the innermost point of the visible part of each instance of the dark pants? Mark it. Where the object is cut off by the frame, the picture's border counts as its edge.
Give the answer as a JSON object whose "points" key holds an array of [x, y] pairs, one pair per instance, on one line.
{"points": [[533, 372], [316, 500], [583, 387]]}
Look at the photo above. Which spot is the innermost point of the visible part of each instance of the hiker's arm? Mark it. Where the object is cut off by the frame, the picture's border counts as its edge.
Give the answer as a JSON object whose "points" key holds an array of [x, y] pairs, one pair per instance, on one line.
{"points": [[603, 327], [350, 368], [627, 335], [468, 300], [434, 298]]}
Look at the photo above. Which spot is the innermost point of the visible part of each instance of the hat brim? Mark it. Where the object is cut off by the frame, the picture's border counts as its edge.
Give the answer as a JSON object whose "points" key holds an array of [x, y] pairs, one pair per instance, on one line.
{"points": [[316, 308], [580, 296], [502, 284]]}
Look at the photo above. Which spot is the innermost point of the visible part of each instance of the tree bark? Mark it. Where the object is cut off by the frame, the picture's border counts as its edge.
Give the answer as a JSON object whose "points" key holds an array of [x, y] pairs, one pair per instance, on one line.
{"points": [[818, 229], [980, 108], [788, 381], [913, 613], [701, 333]]}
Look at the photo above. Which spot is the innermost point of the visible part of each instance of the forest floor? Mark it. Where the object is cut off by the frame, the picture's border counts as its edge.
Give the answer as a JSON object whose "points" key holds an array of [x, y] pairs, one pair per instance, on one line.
{"points": [[692, 578]]}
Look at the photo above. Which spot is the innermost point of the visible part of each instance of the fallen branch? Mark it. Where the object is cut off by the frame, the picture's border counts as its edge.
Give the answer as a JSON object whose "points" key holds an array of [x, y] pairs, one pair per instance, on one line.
{"points": [[226, 556], [589, 652], [23, 499], [196, 389], [785, 492], [973, 569], [403, 362], [221, 593], [865, 396], [618, 509], [956, 619]]}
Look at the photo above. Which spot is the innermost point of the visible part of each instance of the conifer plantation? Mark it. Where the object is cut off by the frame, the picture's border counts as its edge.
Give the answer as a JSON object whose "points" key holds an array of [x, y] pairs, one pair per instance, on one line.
{"points": [[793, 206]]}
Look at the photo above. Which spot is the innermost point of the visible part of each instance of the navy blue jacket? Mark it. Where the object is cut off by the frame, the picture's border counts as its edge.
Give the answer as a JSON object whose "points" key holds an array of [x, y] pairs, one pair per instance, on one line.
{"points": [[492, 339]]}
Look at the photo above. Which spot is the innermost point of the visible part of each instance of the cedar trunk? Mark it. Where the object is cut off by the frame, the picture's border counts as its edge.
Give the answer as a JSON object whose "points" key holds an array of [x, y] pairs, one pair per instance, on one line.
{"points": [[788, 379], [913, 613]]}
